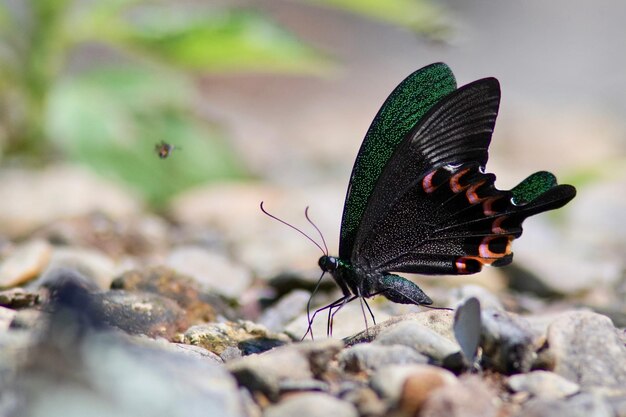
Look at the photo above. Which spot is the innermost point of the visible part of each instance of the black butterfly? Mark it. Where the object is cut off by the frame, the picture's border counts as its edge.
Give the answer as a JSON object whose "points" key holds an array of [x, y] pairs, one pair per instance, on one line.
{"points": [[419, 200]]}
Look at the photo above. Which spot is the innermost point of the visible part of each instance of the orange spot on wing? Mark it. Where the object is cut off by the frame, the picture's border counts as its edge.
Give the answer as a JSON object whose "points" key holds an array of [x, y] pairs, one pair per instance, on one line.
{"points": [[427, 183], [455, 186], [471, 194], [487, 205]]}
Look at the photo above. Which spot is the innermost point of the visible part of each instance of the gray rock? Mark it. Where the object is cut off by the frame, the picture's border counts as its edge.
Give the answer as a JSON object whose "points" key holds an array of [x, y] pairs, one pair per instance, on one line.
{"points": [[370, 357], [24, 263], [211, 269], [141, 313], [311, 405], [366, 401], [320, 353], [418, 337], [582, 405], [91, 264], [542, 384], [507, 342], [588, 350], [469, 398], [267, 371], [285, 310], [440, 321], [28, 318]]}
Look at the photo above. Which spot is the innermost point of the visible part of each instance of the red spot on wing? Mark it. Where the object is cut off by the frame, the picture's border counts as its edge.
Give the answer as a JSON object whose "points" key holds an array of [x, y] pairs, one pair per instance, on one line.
{"points": [[427, 182], [455, 184]]}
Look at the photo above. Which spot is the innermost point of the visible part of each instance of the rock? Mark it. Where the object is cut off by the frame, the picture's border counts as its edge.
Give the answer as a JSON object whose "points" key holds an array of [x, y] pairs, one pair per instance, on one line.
{"points": [[468, 398], [581, 405], [18, 298], [390, 383], [91, 264], [267, 371], [371, 357], [588, 350], [219, 337], [420, 384], [182, 289], [418, 337], [196, 351], [24, 263], [347, 322], [277, 316], [6, 317], [543, 384], [313, 404], [287, 282], [210, 269], [28, 318], [440, 321], [32, 199], [142, 313], [56, 277], [507, 341], [366, 401]]}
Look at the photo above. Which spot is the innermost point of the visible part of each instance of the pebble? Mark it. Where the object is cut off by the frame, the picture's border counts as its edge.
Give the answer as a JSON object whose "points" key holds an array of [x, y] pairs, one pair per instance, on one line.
{"points": [[230, 337], [440, 321], [366, 401], [90, 263], [582, 405], [470, 397], [389, 382], [277, 316], [543, 384], [25, 263], [420, 385], [507, 341], [588, 350], [371, 357], [313, 404], [420, 338], [211, 269], [32, 199], [18, 298], [142, 313], [184, 290]]}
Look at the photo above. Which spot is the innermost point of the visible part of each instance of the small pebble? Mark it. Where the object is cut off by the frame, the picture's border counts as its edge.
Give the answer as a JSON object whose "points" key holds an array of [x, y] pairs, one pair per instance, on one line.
{"points": [[582, 405], [26, 262], [470, 397], [312, 405], [542, 384], [370, 357]]}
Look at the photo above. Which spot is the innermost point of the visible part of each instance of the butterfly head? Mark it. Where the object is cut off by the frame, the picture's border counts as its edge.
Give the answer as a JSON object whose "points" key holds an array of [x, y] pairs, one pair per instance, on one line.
{"points": [[329, 263]]}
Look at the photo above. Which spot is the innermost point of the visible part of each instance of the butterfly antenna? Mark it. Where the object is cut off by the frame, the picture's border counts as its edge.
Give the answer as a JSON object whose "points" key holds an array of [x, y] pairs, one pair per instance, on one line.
{"points": [[293, 227], [306, 214]]}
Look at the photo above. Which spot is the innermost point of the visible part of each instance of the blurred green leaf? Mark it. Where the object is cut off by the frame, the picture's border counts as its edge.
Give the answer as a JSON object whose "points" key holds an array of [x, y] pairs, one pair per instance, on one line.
{"points": [[218, 41], [111, 120], [421, 16]]}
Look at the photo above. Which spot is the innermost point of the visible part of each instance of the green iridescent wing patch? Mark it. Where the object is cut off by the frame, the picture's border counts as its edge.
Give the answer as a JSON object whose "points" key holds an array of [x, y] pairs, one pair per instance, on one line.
{"points": [[532, 187], [402, 110]]}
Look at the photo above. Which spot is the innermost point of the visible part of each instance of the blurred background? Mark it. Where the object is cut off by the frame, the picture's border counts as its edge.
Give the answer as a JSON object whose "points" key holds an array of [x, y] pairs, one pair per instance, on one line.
{"points": [[269, 100]]}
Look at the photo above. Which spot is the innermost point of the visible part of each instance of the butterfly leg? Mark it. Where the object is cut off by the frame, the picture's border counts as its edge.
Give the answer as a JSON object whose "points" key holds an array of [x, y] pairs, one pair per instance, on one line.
{"points": [[329, 307], [370, 310], [331, 316]]}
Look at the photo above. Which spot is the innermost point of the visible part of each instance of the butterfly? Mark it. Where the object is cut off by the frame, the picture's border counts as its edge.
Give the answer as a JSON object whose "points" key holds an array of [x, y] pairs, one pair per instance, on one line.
{"points": [[419, 199], [164, 149]]}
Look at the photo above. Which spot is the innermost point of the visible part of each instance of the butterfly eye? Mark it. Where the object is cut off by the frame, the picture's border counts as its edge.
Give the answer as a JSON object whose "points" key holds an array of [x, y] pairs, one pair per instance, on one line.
{"points": [[328, 263]]}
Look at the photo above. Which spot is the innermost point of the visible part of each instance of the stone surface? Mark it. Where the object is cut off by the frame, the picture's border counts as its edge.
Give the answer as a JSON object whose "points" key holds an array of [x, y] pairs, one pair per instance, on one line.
{"points": [[285, 310], [182, 289], [588, 350], [142, 313], [581, 405], [418, 337], [224, 337], [542, 384], [371, 357], [391, 383], [508, 342], [6, 317], [470, 397], [312, 405], [18, 298], [211, 269], [25, 262], [32, 198], [91, 264], [440, 321]]}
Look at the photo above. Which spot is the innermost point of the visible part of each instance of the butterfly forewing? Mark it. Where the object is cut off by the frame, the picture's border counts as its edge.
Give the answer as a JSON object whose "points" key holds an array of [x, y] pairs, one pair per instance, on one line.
{"points": [[402, 110]]}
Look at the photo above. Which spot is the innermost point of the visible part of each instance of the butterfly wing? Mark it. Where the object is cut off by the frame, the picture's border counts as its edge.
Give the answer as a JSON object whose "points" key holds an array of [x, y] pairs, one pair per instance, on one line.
{"points": [[402, 110], [434, 210]]}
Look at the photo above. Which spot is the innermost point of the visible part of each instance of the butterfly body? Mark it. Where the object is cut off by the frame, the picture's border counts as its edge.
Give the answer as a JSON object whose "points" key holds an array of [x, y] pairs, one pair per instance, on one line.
{"points": [[419, 199]]}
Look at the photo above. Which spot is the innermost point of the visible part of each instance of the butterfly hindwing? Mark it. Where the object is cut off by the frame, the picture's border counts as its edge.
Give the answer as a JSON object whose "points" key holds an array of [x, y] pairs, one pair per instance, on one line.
{"points": [[402, 110]]}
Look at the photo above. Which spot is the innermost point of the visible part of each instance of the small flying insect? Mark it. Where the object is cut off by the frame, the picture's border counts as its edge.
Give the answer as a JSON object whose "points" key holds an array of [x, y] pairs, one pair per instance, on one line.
{"points": [[164, 149]]}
